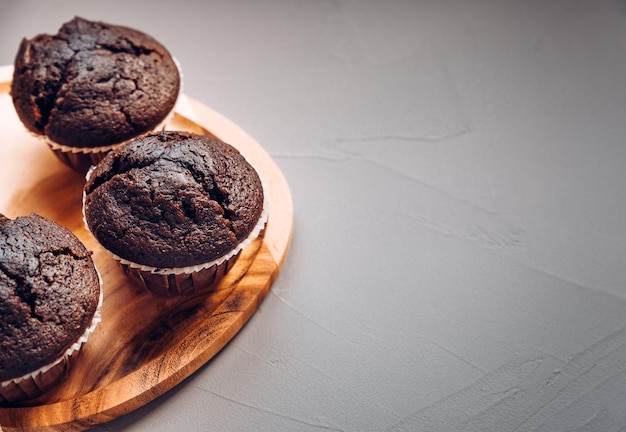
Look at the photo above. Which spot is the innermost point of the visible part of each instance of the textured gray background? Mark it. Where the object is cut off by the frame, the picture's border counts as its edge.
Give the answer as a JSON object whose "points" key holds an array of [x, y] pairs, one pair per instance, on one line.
{"points": [[457, 169]]}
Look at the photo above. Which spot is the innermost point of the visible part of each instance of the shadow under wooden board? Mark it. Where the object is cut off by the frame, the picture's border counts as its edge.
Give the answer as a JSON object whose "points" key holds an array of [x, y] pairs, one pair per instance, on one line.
{"points": [[144, 345]]}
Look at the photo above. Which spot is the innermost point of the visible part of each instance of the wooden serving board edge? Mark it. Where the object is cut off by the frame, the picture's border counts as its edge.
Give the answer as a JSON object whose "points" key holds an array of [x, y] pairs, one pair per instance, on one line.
{"points": [[106, 403]]}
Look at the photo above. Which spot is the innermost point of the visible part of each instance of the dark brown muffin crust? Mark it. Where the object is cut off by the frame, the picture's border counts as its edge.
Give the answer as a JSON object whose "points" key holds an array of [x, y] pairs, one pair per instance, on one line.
{"points": [[49, 292], [173, 199], [93, 84]]}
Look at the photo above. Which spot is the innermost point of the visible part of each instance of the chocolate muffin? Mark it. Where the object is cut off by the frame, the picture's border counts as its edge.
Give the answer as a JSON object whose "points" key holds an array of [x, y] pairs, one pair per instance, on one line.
{"points": [[49, 301], [91, 86], [172, 203]]}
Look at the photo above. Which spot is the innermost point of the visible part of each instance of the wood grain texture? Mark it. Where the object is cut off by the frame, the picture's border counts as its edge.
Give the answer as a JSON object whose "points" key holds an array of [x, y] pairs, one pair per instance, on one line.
{"points": [[144, 345]]}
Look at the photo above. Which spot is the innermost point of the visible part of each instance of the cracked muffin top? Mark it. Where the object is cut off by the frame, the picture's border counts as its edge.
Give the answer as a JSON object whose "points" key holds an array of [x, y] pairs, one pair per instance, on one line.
{"points": [[49, 292], [93, 84], [172, 199]]}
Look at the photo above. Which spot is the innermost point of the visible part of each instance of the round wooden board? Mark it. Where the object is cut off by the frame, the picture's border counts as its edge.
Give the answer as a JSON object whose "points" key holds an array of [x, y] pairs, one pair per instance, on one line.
{"points": [[144, 345]]}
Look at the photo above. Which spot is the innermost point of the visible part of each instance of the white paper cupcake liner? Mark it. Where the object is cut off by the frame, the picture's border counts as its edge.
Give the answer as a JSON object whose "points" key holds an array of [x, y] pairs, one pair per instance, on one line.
{"points": [[35, 383]]}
